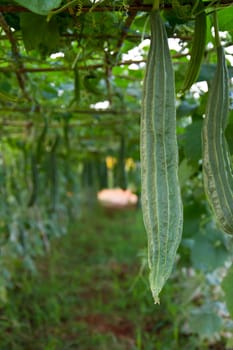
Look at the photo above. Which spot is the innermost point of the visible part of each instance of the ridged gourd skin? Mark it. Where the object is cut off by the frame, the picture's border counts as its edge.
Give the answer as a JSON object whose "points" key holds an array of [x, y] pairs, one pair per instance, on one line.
{"points": [[217, 169], [160, 190]]}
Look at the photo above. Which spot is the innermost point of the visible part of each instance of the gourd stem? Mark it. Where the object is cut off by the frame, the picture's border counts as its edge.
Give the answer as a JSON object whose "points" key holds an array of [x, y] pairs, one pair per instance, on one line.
{"points": [[216, 29], [156, 5], [195, 7]]}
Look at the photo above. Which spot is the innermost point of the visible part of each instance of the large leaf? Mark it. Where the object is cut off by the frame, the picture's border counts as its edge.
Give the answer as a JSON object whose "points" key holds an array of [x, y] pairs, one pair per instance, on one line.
{"points": [[41, 7], [225, 19], [209, 250], [192, 141], [38, 34], [207, 72], [192, 214], [186, 170], [227, 285], [205, 322], [228, 133], [186, 108]]}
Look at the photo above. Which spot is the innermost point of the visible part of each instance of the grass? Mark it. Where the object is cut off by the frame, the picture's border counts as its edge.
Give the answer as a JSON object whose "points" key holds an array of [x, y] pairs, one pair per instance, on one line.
{"points": [[91, 293]]}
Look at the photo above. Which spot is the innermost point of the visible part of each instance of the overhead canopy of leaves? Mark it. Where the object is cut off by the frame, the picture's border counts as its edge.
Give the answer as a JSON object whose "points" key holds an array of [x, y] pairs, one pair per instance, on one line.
{"points": [[86, 60], [40, 7], [60, 56]]}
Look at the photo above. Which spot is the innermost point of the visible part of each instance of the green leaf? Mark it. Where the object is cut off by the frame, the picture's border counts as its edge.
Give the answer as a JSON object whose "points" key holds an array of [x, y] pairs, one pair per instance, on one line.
{"points": [[211, 241], [227, 286], [38, 34], [207, 72], [92, 83], [192, 214], [7, 98], [186, 108], [228, 133], [186, 170], [205, 322], [41, 7], [192, 141], [49, 92], [3, 294], [12, 20], [229, 344], [225, 19]]}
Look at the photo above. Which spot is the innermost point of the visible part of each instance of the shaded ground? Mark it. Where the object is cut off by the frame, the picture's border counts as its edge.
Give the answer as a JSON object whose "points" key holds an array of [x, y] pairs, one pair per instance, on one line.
{"points": [[91, 293]]}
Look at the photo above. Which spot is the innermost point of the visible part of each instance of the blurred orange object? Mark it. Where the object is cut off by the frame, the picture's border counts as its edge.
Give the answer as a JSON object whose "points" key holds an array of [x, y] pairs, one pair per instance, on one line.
{"points": [[117, 198]]}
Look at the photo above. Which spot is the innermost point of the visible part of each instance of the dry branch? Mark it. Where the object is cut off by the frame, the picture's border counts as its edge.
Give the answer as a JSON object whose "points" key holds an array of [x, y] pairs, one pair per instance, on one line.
{"points": [[135, 6], [27, 109], [87, 67], [20, 74]]}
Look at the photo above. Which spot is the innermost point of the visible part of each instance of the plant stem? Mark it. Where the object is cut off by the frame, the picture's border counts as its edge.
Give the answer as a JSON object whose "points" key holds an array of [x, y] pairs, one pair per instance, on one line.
{"points": [[216, 29], [155, 5]]}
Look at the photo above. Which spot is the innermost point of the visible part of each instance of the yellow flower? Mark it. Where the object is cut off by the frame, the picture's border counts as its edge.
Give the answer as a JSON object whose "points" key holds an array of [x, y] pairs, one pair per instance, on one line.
{"points": [[110, 162], [130, 164]]}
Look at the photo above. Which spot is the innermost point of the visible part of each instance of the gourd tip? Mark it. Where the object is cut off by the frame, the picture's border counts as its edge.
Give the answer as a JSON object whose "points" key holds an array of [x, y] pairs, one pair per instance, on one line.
{"points": [[156, 299]]}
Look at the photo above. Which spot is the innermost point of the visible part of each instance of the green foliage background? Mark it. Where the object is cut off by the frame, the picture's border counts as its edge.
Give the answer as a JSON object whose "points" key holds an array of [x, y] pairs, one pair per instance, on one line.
{"points": [[58, 61]]}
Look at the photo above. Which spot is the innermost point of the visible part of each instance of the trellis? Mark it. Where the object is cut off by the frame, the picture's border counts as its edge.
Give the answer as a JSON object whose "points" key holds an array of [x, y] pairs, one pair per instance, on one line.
{"points": [[18, 62]]}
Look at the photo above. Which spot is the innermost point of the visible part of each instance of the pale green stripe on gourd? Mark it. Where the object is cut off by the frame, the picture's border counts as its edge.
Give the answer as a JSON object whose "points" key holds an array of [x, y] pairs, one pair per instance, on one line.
{"points": [[197, 51], [161, 198], [217, 170]]}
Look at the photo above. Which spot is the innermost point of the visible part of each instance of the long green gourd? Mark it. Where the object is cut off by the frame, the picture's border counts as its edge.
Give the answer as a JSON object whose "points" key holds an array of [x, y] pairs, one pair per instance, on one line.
{"points": [[161, 198], [217, 170], [197, 51], [35, 181]]}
